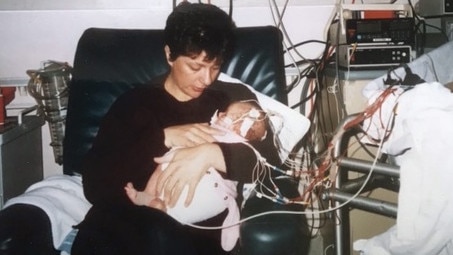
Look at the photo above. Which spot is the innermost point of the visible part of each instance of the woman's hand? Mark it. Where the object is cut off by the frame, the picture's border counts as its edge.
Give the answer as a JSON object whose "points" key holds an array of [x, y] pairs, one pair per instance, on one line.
{"points": [[186, 166], [190, 135]]}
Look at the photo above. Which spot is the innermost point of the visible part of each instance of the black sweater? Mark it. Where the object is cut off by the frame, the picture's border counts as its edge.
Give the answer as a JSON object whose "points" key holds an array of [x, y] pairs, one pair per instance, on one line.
{"points": [[131, 135]]}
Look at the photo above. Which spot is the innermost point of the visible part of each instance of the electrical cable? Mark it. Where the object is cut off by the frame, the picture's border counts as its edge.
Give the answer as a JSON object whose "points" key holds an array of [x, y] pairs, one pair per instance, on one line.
{"points": [[332, 209], [278, 22], [305, 42]]}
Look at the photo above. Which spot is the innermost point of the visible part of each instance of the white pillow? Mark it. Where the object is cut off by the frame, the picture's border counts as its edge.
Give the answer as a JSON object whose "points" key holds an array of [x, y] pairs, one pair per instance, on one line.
{"points": [[293, 125]]}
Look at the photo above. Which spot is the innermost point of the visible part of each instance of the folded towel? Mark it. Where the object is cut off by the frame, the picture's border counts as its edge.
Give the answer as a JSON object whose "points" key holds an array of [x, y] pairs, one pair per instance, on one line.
{"points": [[62, 199]]}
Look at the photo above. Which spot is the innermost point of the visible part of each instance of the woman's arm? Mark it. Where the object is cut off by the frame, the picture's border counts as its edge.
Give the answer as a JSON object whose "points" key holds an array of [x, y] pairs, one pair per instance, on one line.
{"points": [[241, 160], [190, 135], [186, 166]]}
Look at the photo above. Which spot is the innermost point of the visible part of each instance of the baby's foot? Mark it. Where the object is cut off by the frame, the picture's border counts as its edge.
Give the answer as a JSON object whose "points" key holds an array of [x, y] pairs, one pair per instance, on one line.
{"points": [[132, 193]]}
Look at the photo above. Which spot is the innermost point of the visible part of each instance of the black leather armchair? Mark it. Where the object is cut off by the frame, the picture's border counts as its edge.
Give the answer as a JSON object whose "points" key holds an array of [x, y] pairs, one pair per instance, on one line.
{"points": [[110, 61]]}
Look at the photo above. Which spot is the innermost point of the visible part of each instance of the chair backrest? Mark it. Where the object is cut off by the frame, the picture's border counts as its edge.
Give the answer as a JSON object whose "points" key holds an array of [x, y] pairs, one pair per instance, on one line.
{"points": [[108, 62]]}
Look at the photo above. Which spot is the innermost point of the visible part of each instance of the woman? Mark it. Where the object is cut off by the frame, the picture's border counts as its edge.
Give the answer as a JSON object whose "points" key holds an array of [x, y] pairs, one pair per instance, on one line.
{"points": [[145, 122]]}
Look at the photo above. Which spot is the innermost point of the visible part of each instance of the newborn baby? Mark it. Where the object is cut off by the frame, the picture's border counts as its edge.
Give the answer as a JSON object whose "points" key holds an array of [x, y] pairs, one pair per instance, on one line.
{"points": [[242, 121]]}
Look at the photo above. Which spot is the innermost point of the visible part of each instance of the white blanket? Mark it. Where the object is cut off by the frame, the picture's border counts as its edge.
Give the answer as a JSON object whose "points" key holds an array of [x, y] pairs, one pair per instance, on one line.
{"points": [[61, 197], [422, 137]]}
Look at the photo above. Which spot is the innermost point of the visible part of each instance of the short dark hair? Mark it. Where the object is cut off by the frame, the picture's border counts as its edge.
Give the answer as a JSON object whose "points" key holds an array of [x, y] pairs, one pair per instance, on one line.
{"points": [[195, 27]]}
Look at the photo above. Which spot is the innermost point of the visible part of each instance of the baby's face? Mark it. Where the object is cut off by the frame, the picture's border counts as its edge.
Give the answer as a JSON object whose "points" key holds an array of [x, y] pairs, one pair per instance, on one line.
{"points": [[235, 115]]}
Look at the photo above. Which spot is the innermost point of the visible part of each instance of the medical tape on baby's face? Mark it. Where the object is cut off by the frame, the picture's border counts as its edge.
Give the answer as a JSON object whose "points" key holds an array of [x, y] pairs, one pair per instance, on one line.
{"points": [[245, 126], [249, 119]]}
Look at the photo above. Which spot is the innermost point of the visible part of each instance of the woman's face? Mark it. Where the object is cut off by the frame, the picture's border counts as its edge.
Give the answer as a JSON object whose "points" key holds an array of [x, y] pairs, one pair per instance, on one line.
{"points": [[190, 76]]}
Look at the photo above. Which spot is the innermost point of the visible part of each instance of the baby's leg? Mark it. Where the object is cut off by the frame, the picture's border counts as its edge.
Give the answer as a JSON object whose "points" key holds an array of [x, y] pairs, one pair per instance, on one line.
{"points": [[151, 186], [143, 198], [137, 197]]}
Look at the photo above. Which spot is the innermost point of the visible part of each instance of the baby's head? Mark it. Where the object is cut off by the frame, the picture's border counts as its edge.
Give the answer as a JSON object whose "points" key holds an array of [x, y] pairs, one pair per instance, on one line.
{"points": [[245, 118]]}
